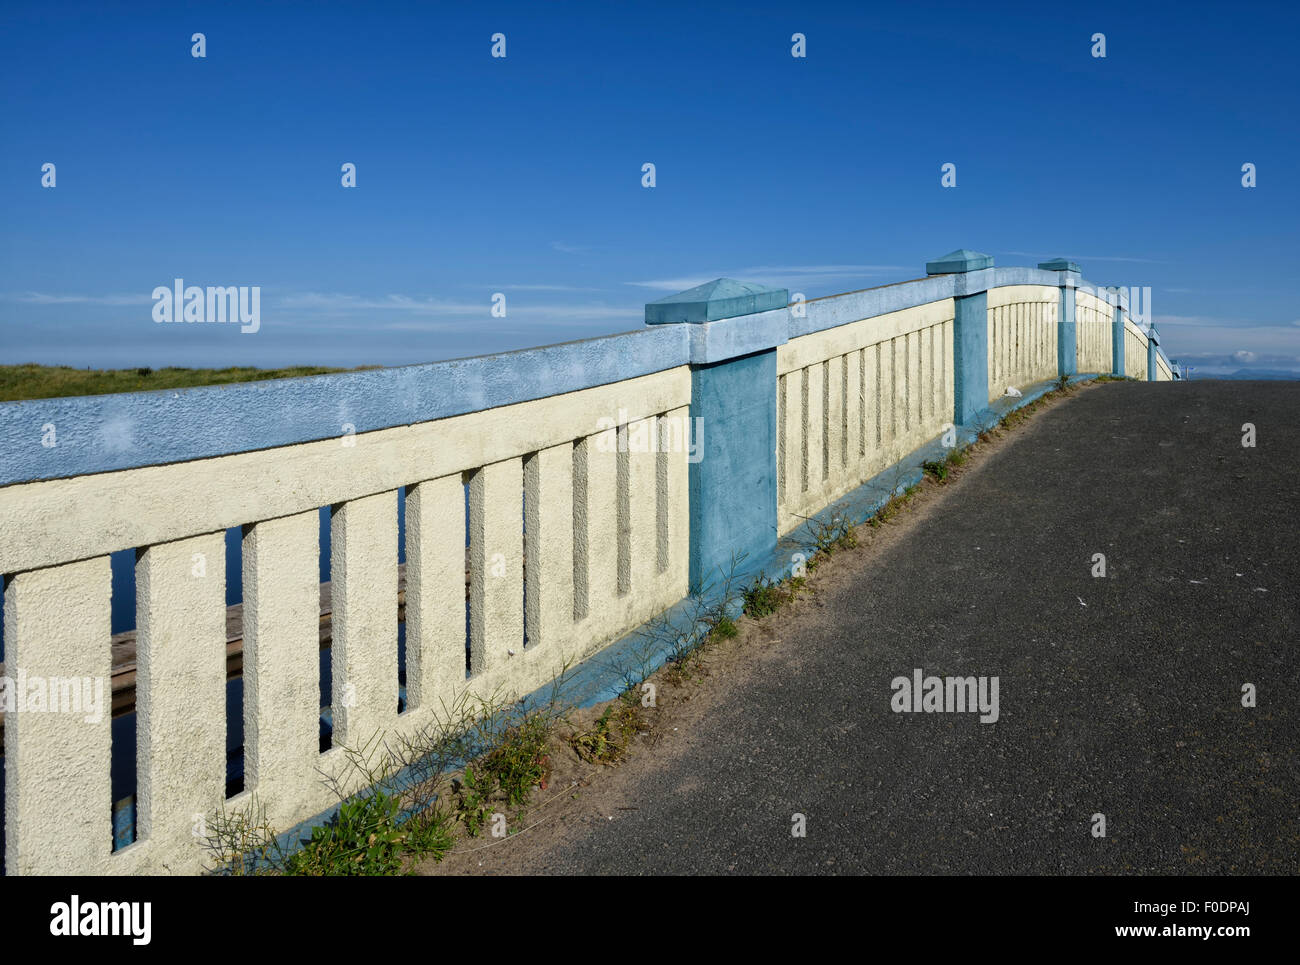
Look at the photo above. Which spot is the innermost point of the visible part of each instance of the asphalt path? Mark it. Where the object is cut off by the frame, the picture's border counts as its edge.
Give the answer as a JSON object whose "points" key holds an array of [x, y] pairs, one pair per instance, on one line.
{"points": [[1118, 695]]}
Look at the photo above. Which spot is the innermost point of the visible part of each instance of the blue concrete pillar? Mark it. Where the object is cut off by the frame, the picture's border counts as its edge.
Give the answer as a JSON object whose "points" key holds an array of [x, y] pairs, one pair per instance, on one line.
{"points": [[970, 330], [1117, 341], [1067, 350], [733, 330], [1153, 339]]}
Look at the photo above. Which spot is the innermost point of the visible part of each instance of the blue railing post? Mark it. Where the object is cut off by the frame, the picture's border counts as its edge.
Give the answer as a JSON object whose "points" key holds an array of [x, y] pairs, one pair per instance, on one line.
{"points": [[734, 328], [1067, 344], [970, 330], [1153, 340]]}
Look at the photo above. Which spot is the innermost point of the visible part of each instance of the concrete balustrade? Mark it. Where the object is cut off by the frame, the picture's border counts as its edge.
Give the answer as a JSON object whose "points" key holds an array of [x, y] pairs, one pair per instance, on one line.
{"points": [[603, 479], [855, 398], [1022, 336], [1093, 333], [1135, 351], [519, 465]]}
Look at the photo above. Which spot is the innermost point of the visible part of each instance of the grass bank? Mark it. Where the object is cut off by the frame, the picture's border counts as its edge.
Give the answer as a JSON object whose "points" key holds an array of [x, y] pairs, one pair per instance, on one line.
{"points": [[32, 381]]}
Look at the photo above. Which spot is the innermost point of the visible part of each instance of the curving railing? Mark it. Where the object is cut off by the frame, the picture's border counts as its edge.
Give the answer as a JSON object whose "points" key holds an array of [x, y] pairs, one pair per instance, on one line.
{"points": [[552, 501]]}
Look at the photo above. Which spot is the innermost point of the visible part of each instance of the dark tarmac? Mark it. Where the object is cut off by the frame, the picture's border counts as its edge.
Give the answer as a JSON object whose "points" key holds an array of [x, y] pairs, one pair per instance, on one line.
{"points": [[1119, 696]]}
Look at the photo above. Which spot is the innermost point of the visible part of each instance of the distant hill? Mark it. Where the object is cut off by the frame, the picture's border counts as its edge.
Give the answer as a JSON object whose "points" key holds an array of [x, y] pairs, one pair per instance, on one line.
{"points": [[32, 381]]}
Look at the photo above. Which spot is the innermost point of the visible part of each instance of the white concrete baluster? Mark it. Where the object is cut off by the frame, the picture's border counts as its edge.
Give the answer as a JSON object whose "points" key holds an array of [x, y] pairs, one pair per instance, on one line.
{"points": [[642, 462], [548, 544], [856, 407], [833, 394], [435, 592], [912, 353], [57, 787], [602, 531], [1053, 339], [180, 693], [581, 550], [898, 382], [875, 403], [1021, 366], [815, 427], [496, 565], [281, 576], [363, 577]]}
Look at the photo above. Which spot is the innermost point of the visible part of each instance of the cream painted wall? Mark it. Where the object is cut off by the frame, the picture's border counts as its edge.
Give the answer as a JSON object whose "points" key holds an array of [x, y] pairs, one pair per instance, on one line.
{"points": [[1022, 336], [1093, 333], [1135, 351], [853, 399]]}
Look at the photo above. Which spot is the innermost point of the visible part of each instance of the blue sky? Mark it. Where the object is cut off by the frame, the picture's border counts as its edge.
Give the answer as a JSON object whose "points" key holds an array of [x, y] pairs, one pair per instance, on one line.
{"points": [[522, 175]]}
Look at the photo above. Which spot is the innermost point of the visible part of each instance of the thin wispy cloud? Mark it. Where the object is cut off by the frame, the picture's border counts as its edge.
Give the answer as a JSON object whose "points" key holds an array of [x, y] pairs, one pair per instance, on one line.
{"points": [[675, 284], [829, 269], [332, 302], [548, 288], [560, 313], [336, 304], [1083, 258], [45, 298], [771, 274], [569, 249], [1205, 321]]}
